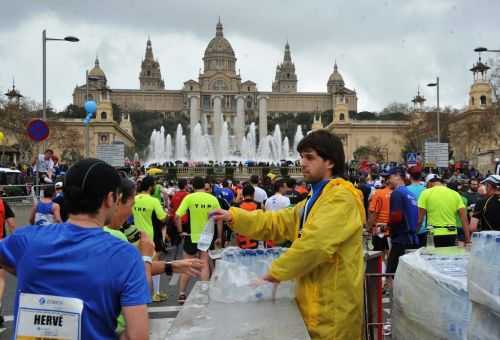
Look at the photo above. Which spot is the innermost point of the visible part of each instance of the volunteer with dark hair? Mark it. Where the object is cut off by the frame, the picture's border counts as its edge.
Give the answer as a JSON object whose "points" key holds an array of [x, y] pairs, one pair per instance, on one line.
{"points": [[326, 257], [88, 275], [199, 204], [147, 210], [486, 214]]}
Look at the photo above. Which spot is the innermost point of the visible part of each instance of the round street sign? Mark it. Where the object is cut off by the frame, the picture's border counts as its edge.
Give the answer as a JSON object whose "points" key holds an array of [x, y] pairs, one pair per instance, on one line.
{"points": [[38, 130]]}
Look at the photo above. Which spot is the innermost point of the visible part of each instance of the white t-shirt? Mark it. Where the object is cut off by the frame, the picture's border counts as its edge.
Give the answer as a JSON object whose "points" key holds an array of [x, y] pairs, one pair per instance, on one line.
{"points": [[277, 202], [260, 195], [44, 165]]}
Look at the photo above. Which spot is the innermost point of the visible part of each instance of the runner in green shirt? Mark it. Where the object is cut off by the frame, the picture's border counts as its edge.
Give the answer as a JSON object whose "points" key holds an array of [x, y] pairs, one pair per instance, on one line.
{"points": [[441, 204], [199, 204], [146, 209]]}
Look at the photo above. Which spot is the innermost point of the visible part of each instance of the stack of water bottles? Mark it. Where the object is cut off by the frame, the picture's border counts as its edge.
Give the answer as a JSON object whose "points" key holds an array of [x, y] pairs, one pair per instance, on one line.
{"points": [[484, 285], [430, 296], [237, 276]]}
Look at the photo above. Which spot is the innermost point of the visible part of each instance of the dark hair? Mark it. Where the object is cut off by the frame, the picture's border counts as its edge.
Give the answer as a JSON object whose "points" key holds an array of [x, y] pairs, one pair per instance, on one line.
{"points": [[328, 146], [49, 150], [248, 190], [278, 185], [254, 179], [225, 183], [147, 182], [198, 183], [291, 182], [87, 184], [182, 183], [415, 175], [48, 191], [126, 190]]}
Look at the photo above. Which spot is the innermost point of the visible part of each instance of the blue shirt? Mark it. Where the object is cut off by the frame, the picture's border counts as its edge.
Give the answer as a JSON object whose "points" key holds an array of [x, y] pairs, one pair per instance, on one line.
{"points": [[316, 190], [403, 218], [416, 190], [85, 263], [227, 194]]}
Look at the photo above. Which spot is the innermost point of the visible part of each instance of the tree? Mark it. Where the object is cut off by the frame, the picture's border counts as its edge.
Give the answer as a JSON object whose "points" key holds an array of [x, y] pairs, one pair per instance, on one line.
{"points": [[373, 150], [401, 108]]}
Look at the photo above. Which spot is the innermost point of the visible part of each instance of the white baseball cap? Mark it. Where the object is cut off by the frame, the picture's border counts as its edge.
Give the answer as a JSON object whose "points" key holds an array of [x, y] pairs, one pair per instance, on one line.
{"points": [[432, 177], [59, 185]]}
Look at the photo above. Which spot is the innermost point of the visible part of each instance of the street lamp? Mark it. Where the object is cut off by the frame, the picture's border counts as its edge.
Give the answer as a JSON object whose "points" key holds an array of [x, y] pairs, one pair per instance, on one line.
{"points": [[484, 49], [44, 56], [436, 84]]}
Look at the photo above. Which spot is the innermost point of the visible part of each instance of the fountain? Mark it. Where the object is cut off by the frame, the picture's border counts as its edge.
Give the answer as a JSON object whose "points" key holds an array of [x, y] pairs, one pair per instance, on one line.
{"points": [[273, 148]]}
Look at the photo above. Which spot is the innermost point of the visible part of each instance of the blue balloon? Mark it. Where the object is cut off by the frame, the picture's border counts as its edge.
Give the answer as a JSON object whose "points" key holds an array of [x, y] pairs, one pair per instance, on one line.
{"points": [[90, 106]]}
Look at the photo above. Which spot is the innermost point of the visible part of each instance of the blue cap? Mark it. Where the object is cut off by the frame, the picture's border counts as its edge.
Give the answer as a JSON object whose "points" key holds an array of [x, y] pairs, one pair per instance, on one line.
{"points": [[396, 171]]}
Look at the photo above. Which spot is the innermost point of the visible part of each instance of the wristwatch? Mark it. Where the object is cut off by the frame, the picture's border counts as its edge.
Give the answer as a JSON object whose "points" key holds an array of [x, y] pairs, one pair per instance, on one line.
{"points": [[168, 269], [147, 259]]}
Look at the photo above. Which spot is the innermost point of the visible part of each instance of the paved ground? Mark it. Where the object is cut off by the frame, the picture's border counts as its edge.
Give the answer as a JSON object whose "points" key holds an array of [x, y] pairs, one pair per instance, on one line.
{"points": [[160, 314]]}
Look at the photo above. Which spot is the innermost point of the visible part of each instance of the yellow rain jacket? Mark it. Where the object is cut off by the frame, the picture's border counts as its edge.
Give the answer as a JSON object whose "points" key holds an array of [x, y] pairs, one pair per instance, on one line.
{"points": [[327, 260]]}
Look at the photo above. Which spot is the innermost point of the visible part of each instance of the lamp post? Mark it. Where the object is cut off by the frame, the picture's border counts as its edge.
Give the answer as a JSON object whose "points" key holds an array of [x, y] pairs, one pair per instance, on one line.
{"points": [[436, 84], [44, 67]]}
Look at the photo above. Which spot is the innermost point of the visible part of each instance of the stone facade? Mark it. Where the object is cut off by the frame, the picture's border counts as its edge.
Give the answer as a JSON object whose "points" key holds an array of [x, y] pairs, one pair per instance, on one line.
{"points": [[219, 89], [475, 132]]}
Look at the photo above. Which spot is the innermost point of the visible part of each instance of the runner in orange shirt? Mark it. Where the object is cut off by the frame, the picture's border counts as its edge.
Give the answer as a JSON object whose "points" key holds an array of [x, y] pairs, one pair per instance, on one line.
{"points": [[378, 216]]}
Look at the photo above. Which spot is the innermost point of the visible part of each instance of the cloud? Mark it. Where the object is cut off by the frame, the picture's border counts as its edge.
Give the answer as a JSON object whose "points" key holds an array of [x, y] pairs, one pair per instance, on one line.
{"points": [[384, 49]]}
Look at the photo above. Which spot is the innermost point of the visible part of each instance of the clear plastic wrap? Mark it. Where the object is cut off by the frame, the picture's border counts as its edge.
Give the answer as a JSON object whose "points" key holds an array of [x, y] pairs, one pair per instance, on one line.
{"points": [[484, 270], [484, 324], [430, 296], [237, 277]]}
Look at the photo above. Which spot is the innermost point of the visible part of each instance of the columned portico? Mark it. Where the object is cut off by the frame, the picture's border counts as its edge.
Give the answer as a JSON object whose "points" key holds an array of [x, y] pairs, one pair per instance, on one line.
{"points": [[239, 122], [194, 114], [262, 100]]}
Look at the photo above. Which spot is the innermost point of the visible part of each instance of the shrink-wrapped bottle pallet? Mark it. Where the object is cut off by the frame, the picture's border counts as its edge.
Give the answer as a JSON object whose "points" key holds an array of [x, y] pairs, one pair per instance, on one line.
{"points": [[430, 295], [484, 286]]}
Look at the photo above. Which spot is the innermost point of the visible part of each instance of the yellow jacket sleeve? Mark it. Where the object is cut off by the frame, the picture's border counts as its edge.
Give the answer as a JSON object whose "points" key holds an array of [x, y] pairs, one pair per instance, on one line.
{"points": [[270, 225], [330, 223]]}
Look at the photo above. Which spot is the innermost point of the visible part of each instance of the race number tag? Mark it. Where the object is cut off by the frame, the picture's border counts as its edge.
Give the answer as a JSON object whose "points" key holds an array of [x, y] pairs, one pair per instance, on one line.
{"points": [[48, 317]]}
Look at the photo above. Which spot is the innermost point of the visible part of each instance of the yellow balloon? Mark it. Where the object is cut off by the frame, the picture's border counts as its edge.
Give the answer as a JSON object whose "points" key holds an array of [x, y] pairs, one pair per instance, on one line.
{"points": [[2, 136]]}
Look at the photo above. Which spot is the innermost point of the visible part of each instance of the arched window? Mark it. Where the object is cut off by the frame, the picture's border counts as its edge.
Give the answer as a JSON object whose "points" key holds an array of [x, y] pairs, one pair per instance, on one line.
{"points": [[483, 100], [342, 116], [148, 73], [288, 75], [472, 100], [104, 115]]}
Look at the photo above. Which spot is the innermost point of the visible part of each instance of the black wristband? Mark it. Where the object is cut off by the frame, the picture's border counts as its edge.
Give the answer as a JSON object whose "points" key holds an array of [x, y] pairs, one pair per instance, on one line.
{"points": [[168, 269]]}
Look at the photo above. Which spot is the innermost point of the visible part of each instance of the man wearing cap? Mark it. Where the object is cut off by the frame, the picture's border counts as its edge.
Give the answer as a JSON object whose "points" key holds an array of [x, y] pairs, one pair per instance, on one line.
{"points": [[59, 199], [74, 278], [378, 215], [441, 204], [403, 219], [486, 214]]}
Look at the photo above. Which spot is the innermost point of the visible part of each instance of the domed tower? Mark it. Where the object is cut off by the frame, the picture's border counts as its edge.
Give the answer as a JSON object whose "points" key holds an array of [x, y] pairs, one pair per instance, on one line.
{"points": [[418, 101], [285, 80], [219, 54], [96, 77], [335, 81], [480, 94], [150, 75]]}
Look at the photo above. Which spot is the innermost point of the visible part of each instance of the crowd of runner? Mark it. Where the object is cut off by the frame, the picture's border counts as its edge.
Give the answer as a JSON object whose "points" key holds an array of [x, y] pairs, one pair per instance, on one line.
{"points": [[101, 236]]}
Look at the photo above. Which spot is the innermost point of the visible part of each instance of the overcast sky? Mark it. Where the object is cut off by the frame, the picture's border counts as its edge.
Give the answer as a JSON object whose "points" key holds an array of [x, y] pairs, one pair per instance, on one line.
{"points": [[384, 49]]}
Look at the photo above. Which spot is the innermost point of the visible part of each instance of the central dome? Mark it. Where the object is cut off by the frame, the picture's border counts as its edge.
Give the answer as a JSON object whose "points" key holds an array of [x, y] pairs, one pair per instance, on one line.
{"points": [[219, 54]]}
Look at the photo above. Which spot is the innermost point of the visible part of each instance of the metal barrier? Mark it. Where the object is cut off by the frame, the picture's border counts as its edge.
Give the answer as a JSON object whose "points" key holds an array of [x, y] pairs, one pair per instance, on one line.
{"points": [[235, 172]]}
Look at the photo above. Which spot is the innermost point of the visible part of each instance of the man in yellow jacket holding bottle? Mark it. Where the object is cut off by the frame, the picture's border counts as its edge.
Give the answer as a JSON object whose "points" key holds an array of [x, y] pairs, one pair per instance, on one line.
{"points": [[326, 257]]}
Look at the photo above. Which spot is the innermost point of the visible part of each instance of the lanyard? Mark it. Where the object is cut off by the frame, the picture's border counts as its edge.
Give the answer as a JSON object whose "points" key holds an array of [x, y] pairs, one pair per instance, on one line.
{"points": [[317, 189]]}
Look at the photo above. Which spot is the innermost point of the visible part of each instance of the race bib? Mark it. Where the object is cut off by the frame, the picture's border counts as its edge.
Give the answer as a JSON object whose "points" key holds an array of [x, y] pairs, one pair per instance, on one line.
{"points": [[48, 317]]}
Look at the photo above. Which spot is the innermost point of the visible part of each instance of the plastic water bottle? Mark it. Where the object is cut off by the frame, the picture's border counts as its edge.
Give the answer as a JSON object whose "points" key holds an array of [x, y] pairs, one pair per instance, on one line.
{"points": [[430, 238], [241, 258], [252, 261], [207, 236]]}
